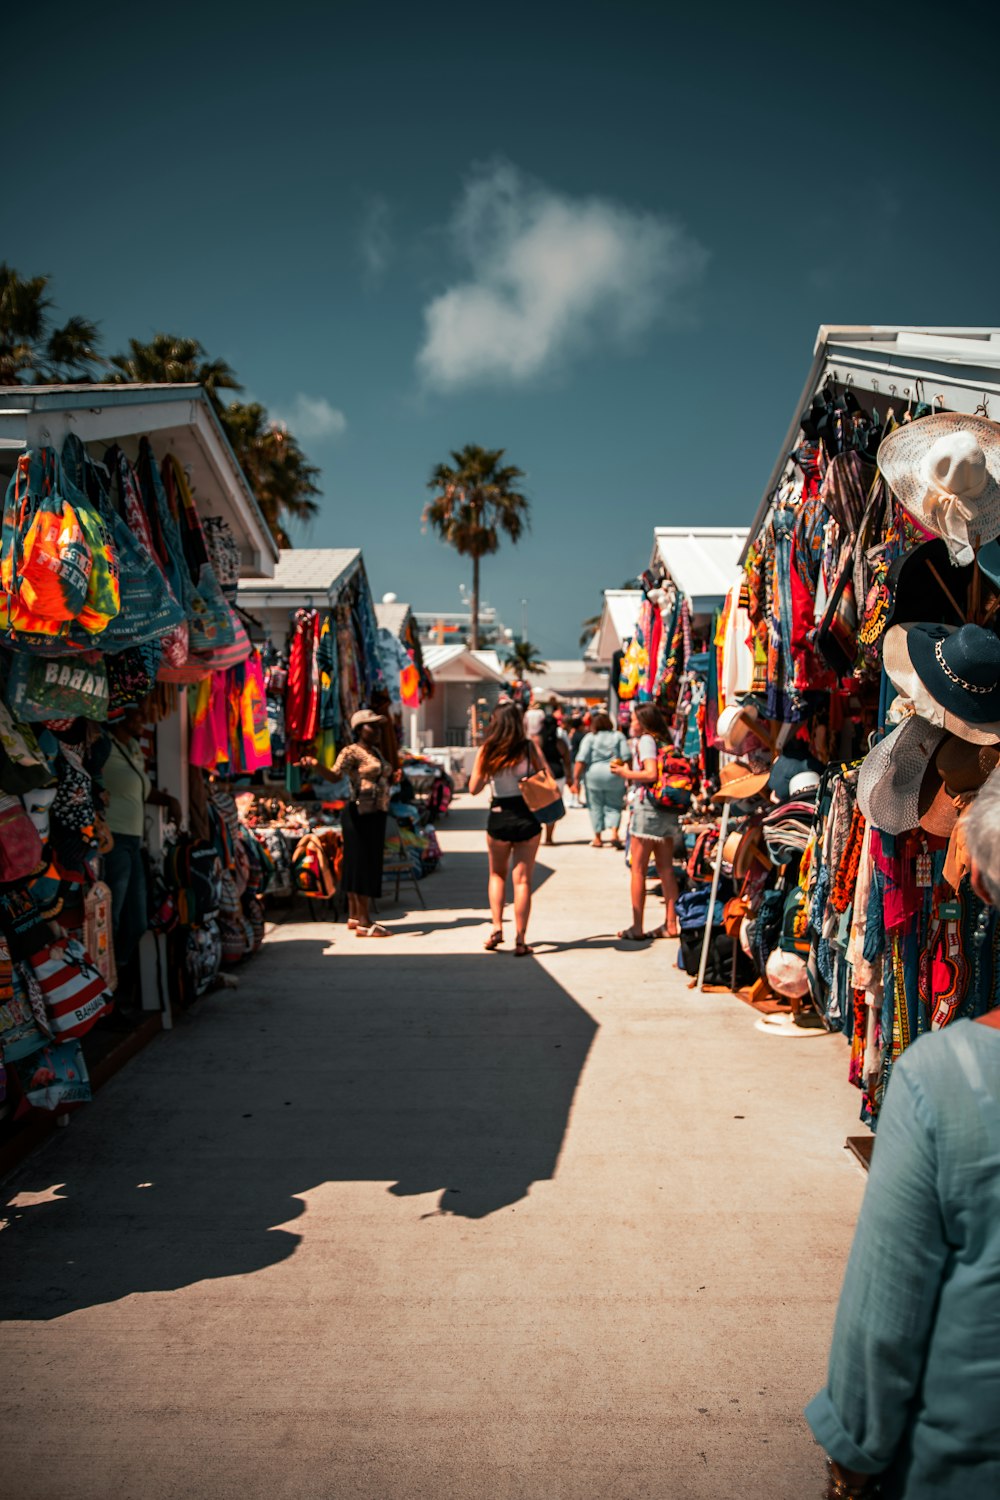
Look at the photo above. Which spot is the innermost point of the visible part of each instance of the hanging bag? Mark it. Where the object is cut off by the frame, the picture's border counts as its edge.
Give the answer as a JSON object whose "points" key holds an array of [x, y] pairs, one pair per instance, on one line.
{"points": [[676, 780], [210, 621], [21, 852], [103, 599], [53, 558], [59, 687], [542, 795]]}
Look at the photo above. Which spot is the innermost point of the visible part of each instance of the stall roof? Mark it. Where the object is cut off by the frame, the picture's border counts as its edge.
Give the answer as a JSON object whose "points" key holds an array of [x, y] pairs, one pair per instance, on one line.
{"points": [[392, 617], [571, 678], [898, 365], [701, 560], [619, 617], [178, 419], [460, 664], [304, 576]]}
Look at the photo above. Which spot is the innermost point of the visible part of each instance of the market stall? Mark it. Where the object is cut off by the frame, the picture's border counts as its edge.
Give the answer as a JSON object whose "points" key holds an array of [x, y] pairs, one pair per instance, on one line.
{"points": [[124, 882]]}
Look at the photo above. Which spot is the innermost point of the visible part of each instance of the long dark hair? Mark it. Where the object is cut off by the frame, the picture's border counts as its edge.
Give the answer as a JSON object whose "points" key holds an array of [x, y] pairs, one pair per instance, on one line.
{"points": [[506, 742], [652, 720]]}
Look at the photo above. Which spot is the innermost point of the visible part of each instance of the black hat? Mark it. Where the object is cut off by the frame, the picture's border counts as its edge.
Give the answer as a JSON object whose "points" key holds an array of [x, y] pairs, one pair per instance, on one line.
{"points": [[960, 669]]}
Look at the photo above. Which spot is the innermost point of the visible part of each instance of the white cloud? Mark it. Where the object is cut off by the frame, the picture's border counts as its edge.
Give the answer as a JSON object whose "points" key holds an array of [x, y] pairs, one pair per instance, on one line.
{"points": [[311, 418], [548, 275], [376, 236]]}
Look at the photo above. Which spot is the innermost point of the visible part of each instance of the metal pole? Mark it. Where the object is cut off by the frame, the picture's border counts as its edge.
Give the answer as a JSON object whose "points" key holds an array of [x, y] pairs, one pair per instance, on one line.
{"points": [[717, 871]]}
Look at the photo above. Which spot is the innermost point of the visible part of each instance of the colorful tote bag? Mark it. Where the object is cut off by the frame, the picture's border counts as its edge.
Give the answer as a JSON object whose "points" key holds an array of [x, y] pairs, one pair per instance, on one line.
{"points": [[58, 687]]}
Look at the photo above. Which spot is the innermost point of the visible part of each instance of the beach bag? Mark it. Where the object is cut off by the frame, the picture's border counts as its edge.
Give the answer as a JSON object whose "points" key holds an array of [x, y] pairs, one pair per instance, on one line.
{"points": [[55, 1077], [131, 676], [543, 796], [75, 991], [21, 851], [52, 558], [103, 600], [236, 939], [676, 779], [224, 555], [60, 687], [692, 910], [20, 1032], [210, 619], [203, 956], [192, 869], [97, 930]]}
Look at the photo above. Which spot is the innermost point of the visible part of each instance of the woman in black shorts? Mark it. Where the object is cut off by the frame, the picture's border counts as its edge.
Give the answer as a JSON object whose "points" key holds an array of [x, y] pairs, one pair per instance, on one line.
{"points": [[512, 830]]}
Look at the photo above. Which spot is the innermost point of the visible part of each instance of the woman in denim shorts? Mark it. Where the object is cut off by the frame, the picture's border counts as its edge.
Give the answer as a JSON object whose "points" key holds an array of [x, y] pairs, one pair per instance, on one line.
{"points": [[653, 829]]}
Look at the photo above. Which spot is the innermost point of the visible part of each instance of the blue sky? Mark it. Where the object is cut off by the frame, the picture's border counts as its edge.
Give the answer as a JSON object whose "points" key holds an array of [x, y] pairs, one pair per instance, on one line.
{"points": [[600, 236]]}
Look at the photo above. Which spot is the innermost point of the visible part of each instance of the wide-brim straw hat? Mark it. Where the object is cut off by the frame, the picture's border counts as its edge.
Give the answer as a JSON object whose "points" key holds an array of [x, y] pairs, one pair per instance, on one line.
{"points": [[739, 781], [890, 779], [951, 676], [945, 469]]}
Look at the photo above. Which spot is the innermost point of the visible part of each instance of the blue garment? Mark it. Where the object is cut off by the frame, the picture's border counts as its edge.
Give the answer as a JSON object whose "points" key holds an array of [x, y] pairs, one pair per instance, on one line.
{"points": [[125, 876], [914, 1377]]}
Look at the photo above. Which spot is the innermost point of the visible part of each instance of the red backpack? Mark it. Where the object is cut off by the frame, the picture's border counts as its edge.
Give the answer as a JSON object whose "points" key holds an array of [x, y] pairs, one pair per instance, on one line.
{"points": [[676, 779]]}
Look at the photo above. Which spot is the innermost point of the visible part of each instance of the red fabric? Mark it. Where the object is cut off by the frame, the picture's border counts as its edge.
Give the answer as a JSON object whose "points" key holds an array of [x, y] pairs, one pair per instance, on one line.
{"points": [[302, 693]]}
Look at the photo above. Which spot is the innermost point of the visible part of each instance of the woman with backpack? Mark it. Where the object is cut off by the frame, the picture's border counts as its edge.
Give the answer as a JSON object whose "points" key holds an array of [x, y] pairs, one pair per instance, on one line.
{"points": [[512, 830], [654, 829]]}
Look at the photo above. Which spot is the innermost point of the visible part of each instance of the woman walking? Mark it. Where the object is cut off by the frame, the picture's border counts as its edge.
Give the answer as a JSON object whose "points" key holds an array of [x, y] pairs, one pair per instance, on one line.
{"points": [[605, 790], [512, 830], [653, 829], [364, 818]]}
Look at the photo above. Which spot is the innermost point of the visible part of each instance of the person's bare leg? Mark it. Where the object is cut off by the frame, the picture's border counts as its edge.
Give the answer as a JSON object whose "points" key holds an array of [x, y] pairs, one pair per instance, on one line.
{"points": [[499, 863], [361, 907], [522, 870], [637, 885], [664, 856], [352, 909]]}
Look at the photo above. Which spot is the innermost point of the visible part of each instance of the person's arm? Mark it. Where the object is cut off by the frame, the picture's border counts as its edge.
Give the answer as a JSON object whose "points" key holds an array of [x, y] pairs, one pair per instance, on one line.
{"points": [[584, 752], [564, 752], [477, 780], [645, 777], [886, 1309]]}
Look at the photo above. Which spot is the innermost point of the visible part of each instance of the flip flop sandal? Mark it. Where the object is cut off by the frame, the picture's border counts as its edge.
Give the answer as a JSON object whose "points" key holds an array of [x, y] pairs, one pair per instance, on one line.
{"points": [[376, 930], [522, 950], [494, 940], [631, 936]]}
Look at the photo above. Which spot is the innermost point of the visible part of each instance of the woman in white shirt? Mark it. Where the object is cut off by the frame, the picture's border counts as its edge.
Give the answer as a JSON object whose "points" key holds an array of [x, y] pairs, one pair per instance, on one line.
{"points": [[653, 830], [512, 830]]}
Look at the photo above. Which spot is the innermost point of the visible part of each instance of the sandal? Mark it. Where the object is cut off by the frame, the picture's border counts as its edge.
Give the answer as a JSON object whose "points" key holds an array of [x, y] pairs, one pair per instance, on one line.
{"points": [[494, 940], [663, 931], [376, 930], [597, 843], [617, 844], [632, 935], [522, 949]]}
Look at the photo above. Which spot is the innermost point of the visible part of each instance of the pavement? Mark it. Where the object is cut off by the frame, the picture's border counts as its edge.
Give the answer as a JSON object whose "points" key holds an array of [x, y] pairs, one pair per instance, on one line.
{"points": [[405, 1219]]}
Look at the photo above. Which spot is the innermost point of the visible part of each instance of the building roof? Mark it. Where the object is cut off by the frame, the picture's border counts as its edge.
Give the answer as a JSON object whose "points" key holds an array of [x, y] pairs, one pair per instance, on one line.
{"points": [[701, 560], [304, 575], [178, 419], [619, 617], [392, 617], [458, 664], [569, 678]]}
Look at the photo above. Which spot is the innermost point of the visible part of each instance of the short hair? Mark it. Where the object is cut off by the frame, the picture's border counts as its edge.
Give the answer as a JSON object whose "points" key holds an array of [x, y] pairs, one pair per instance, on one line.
{"points": [[982, 834], [601, 722]]}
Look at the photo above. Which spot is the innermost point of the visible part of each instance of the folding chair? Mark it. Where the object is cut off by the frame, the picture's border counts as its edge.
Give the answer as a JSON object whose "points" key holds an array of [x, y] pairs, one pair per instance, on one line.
{"points": [[398, 864]]}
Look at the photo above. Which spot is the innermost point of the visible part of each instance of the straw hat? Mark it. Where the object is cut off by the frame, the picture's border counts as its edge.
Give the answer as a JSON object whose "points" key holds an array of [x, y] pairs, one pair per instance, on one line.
{"points": [[889, 781], [945, 469], [951, 676], [738, 781]]}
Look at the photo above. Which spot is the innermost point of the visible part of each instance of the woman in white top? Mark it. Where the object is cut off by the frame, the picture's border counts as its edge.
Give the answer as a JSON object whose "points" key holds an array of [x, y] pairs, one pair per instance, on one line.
{"points": [[512, 830], [653, 830]]}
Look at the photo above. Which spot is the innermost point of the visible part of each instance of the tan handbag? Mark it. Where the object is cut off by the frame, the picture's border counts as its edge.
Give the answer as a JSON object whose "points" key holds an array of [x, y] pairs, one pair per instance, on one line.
{"points": [[542, 796]]}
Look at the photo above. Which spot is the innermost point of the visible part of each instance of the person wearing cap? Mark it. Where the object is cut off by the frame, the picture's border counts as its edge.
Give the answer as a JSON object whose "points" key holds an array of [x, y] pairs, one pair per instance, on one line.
{"points": [[364, 819], [913, 1387]]}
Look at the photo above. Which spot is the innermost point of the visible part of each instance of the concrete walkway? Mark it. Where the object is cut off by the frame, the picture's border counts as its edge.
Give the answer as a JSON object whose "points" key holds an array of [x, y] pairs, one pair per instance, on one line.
{"points": [[405, 1219]]}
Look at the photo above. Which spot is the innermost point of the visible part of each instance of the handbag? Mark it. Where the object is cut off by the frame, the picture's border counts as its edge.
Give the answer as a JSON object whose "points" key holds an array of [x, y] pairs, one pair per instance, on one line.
{"points": [[543, 796], [20, 846]]}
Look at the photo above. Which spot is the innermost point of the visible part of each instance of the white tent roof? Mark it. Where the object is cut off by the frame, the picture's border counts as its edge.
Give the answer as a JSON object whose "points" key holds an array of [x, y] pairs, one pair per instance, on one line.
{"points": [[459, 664], [391, 617], [304, 576], [701, 560], [618, 621]]}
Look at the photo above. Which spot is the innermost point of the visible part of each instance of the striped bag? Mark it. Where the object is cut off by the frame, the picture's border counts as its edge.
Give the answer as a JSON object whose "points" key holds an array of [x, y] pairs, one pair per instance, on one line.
{"points": [[75, 992]]}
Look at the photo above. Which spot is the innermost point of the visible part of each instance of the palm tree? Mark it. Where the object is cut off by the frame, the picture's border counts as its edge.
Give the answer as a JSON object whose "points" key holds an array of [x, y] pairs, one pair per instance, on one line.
{"points": [[475, 501], [524, 656], [277, 470], [587, 629], [169, 359], [31, 349]]}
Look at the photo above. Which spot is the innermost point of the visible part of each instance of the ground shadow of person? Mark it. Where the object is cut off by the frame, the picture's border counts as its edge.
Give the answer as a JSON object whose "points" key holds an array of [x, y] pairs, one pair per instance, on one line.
{"points": [[450, 1074]]}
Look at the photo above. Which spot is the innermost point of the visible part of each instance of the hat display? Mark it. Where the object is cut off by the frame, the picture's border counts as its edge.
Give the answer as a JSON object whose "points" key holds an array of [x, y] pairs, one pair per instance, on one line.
{"points": [[738, 781], [786, 974], [802, 783], [951, 780], [945, 469], [787, 831], [793, 760], [951, 676], [890, 779], [366, 716], [925, 583]]}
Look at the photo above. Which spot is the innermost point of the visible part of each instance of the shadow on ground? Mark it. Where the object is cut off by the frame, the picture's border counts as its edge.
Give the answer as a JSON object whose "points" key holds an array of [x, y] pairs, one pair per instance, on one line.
{"points": [[437, 1074]]}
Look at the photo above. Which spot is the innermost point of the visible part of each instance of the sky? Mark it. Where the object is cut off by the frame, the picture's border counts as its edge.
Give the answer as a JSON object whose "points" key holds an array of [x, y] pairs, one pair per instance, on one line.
{"points": [[600, 237]]}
